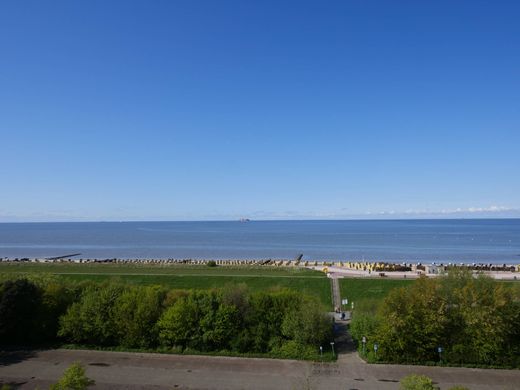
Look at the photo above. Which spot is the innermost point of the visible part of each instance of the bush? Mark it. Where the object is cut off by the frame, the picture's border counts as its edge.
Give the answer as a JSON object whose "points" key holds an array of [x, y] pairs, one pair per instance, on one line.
{"points": [[416, 382], [212, 263], [74, 378]]}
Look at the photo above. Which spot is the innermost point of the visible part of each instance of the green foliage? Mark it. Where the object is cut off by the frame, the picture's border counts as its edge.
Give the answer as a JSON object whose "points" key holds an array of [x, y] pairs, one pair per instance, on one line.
{"points": [[416, 382], [179, 325], [20, 302], [363, 325], [74, 378], [115, 315], [473, 320], [281, 323], [56, 298], [90, 320], [415, 320], [135, 314], [212, 263], [307, 324]]}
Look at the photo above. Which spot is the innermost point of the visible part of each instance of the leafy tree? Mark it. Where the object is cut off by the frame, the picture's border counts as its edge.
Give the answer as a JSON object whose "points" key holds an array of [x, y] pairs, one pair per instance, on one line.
{"points": [[307, 324], [363, 325], [91, 320], [219, 333], [482, 317], [135, 315], [20, 301], [179, 324], [414, 323], [57, 296]]}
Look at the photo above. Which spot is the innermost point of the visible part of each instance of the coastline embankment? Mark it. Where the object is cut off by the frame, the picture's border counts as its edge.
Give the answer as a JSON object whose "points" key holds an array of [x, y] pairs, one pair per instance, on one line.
{"points": [[334, 269]]}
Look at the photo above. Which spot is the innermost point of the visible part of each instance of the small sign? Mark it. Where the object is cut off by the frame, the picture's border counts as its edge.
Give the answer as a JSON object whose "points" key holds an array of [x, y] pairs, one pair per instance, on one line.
{"points": [[344, 301], [439, 349], [364, 340], [376, 347]]}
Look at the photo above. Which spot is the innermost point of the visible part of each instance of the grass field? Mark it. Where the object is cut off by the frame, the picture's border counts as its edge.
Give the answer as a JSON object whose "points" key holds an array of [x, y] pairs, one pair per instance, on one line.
{"points": [[368, 293], [187, 276]]}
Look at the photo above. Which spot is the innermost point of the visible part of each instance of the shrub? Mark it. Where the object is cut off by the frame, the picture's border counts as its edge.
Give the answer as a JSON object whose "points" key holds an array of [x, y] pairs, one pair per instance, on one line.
{"points": [[416, 382], [74, 378]]}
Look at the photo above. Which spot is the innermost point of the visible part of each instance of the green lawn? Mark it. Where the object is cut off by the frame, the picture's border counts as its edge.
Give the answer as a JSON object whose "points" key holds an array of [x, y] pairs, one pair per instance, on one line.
{"points": [[188, 276], [139, 269], [368, 293]]}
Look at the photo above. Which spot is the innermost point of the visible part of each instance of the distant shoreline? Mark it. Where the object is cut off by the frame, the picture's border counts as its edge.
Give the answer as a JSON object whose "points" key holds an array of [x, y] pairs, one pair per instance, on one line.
{"points": [[334, 269], [430, 218]]}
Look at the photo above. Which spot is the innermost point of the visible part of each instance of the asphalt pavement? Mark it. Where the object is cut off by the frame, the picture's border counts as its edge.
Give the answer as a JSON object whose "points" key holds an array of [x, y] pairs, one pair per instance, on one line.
{"points": [[124, 370]]}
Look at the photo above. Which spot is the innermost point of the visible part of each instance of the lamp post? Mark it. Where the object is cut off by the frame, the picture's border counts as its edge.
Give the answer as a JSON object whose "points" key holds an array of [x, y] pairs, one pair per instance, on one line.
{"points": [[376, 347], [439, 349], [321, 353], [332, 345], [364, 341]]}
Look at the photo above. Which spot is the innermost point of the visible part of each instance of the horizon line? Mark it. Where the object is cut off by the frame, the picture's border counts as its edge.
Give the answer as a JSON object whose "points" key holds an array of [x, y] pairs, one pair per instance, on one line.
{"points": [[274, 220]]}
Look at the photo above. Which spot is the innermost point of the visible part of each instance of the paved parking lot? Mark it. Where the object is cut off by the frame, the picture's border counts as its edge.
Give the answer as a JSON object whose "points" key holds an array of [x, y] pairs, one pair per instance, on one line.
{"points": [[122, 370]]}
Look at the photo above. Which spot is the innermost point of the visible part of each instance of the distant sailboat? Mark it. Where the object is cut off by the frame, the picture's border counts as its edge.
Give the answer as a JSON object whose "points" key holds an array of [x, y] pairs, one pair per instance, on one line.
{"points": [[244, 220]]}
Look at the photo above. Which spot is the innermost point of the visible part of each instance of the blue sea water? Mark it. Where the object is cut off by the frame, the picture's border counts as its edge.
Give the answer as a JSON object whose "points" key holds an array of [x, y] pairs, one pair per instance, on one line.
{"points": [[466, 240]]}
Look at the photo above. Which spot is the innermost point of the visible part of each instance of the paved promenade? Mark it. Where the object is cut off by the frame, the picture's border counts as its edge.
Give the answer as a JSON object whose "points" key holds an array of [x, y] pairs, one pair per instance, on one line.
{"points": [[121, 370]]}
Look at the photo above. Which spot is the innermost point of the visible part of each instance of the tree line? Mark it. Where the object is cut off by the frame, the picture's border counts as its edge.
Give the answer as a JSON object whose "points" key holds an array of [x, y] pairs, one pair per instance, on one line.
{"points": [[455, 319], [278, 323]]}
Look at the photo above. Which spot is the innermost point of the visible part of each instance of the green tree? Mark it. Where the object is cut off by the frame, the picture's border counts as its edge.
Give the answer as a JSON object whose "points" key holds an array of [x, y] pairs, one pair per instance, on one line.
{"points": [[135, 315], [363, 325], [179, 324], [223, 327], [483, 321], [20, 301], [57, 296], [91, 320], [415, 322], [307, 323]]}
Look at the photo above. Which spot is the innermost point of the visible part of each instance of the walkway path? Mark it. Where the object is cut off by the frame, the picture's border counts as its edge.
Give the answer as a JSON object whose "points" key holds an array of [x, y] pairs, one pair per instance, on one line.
{"points": [[344, 345]]}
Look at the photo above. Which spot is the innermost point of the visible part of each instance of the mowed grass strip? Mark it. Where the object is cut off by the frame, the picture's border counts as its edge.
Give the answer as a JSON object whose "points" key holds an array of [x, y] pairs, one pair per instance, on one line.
{"points": [[256, 278], [368, 293], [316, 287], [139, 269]]}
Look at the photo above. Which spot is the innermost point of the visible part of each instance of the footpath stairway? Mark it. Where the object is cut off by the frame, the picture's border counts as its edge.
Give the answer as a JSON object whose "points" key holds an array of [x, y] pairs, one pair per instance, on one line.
{"points": [[336, 295], [344, 345]]}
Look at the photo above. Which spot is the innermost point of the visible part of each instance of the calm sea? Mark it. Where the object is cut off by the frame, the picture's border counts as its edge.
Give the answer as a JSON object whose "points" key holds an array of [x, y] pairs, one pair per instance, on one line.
{"points": [[471, 240]]}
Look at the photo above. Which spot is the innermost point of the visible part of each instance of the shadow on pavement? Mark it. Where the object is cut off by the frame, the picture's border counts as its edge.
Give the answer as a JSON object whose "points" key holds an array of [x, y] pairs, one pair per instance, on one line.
{"points": [[12, 357], [12, 385], [344, 342]]}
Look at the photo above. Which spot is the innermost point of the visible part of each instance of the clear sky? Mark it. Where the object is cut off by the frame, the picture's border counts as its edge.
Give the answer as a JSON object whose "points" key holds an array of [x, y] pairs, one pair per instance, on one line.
{"points": [[149, 110]]}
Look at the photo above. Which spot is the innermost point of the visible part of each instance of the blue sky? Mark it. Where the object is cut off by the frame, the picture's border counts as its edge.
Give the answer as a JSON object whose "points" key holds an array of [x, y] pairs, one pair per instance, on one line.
{"points": [[153, 110]]}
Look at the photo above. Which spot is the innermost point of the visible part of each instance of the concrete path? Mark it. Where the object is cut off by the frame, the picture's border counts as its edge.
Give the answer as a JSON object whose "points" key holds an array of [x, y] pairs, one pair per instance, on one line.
{"points": [[122, 370]]}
